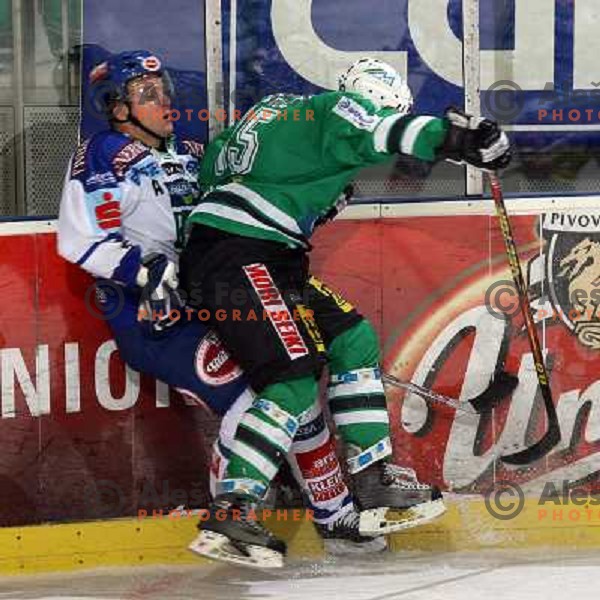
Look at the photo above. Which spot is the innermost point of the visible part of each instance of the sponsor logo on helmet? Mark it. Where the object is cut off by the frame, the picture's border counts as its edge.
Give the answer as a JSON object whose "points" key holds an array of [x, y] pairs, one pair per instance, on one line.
{"points": [[386, 77], [151, 63], [99, 72], [214, 365]]}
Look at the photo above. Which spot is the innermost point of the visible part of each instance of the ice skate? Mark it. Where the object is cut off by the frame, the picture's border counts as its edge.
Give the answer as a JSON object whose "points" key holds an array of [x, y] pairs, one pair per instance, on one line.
{"points": [[342, 536], [239, 537], [390, 498]]}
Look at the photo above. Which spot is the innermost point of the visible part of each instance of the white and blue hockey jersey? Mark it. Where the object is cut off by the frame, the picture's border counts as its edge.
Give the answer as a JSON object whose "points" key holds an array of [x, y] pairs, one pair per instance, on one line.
{"points": [[123, 200]]}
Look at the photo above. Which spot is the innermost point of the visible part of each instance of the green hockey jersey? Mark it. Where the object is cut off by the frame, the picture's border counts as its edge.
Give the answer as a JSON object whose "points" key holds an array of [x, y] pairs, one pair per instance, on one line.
{"points": [[285, 164]]}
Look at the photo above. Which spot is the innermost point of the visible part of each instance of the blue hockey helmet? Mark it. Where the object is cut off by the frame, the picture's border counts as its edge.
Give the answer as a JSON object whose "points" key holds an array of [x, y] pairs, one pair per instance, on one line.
{"points": [[108, 80], [121, 68]]}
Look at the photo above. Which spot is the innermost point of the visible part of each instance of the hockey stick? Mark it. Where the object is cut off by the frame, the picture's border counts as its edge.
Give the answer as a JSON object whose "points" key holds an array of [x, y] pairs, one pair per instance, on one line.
{"points": [[502, 386], [552, 435], [424, 392]]}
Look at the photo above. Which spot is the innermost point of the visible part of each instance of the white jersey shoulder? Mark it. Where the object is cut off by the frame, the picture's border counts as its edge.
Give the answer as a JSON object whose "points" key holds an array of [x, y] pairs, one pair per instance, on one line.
{"points": [[123, 199]]}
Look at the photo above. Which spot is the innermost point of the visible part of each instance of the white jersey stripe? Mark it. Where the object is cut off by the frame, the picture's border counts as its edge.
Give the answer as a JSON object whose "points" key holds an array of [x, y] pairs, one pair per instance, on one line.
{"points": [[356, 388], [358, 417], [256, 459], [411, 133], [263, 205], [239, 216], [311, 443], [383, 131], [275, 435]]}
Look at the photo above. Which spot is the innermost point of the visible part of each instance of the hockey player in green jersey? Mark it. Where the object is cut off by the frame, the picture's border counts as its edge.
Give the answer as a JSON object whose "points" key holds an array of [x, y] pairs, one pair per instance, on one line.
{"points": [[271, 178]]}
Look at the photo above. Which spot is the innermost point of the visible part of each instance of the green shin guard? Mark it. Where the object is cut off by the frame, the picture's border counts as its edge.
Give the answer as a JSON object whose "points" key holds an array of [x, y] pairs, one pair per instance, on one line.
{"points": [[264, 436], [356, 394]]}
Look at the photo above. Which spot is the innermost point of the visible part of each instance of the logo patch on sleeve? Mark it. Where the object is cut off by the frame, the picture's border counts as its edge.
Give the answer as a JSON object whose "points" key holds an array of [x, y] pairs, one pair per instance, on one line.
{"points": [[127, 156], [356, 114]]}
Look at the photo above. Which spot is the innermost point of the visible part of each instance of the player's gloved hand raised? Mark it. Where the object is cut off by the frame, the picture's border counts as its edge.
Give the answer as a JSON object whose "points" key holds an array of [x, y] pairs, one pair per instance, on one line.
{"points": [[160, 296], [475, 141]]}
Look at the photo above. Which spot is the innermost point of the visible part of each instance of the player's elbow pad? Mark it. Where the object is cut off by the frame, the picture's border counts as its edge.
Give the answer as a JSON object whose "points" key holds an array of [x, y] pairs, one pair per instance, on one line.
{"points": [[394, 140], [420, 136]]}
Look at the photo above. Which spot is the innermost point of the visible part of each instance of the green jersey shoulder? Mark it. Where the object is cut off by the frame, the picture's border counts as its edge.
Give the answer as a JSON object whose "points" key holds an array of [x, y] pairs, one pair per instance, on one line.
{"points": [[294, 156]]}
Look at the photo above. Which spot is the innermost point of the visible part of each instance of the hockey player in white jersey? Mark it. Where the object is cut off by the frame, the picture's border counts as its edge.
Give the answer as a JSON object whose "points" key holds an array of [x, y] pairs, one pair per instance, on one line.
{"points": [[127, 195]]}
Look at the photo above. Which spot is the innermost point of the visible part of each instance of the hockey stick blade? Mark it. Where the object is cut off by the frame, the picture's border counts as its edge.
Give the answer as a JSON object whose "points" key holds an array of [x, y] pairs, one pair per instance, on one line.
{"points": [[503, 385], [552, 436], [534, 453]]}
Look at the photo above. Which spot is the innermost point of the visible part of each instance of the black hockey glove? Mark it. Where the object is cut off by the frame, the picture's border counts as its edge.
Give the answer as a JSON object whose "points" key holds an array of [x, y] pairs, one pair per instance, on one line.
{"points": [[475, 141], [160, 296]]}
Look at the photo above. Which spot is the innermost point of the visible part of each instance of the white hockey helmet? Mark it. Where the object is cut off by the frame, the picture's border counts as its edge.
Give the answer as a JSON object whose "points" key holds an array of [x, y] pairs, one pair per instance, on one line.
{"points": [[378, 82]]}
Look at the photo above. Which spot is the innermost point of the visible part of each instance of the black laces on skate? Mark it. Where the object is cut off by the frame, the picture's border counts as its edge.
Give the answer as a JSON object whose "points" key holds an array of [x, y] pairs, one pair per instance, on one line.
{"points": [[349, 520], [249, 514], [346, 527], [402, 477]]}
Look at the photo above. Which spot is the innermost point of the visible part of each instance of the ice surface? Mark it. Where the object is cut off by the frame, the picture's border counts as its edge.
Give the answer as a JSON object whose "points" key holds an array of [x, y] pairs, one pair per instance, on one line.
{"points": [[506, 575]]}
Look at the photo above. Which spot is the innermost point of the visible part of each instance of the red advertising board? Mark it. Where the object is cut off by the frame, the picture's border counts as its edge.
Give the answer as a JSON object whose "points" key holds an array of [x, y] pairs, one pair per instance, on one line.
{"points": [[439, 291], [83, 437]]}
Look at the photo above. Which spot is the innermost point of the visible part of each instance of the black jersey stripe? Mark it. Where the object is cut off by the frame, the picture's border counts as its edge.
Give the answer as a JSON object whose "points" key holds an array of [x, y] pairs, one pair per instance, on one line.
{"points": [[259, 443], [235, 201], [358, 402], [396, 132]]}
